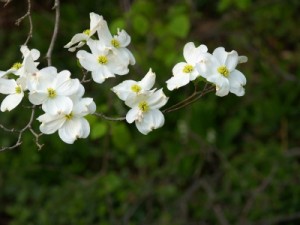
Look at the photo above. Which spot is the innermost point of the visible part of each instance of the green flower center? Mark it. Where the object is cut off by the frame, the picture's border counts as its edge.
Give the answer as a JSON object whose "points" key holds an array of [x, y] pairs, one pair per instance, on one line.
{"points": [[115, 43], [188, 68], [69, 116], [224, 71], [18, 89], [17, 65], [102, 59], [136, 88], [143, 106], [51, 93], [87, 32]]}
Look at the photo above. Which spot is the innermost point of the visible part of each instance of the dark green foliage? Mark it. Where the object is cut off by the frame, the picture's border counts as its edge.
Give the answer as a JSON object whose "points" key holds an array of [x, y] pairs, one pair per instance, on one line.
{"points": [[224, 160]]}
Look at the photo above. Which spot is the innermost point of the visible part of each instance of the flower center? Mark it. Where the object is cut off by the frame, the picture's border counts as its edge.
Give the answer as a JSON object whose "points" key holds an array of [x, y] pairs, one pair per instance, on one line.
{"points": [[18, 89], [136, 88], [17, 65], [102, 59], [87, 32], [143, 106], [51, 93], [115, 43], [188, 68], [69, 116], [223, 71]]}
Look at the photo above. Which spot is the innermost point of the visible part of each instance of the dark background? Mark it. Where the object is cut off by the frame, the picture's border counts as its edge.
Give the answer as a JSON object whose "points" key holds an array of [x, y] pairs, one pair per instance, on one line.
{"points": [[231, 160]]}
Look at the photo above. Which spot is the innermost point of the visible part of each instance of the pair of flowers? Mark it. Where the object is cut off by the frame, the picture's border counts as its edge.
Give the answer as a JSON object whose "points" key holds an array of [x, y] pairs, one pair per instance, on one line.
{"points": [[218, 68], [60, 96]]}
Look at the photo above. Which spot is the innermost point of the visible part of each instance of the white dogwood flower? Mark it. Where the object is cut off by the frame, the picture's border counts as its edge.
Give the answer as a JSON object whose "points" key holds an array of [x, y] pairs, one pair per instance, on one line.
{"points": [[14, 89], [223, 73], [117, 43], [53, 90], [70, 122], [96, 21], [102, 62], [184, 72], [145, 111], [130, 88]]}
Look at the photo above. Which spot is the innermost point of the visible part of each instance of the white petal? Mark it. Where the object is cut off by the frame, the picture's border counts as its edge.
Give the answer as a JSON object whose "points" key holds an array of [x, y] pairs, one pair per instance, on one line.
{"points": [[222, 84], [188, 49], [98, 76], [58, 105], [123, 90], [220, 54], [37, 98], [95, 22], [157, 99], [11, 101], [7, 86], [152, 120], [178, 69], [123, 38], [148, 81], [176, 82], [237, 81], [50, 123], [68, 87], [104, 33], [231, 60], [77, 38], [74, 129], [243, 59], [87, 60], [132, 115]]}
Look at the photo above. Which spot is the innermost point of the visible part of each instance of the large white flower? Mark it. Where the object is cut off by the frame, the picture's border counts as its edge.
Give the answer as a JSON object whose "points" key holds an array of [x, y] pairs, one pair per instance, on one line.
{"points": [[117, 43], [145, 111], [184, 72], [223, 73], [130, 88], [70, 122], [102, 62], [53, 90], [96, 21], [14, 89]]}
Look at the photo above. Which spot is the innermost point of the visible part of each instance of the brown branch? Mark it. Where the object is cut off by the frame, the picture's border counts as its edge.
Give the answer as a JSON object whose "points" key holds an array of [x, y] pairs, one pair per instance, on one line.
{"points": [[55, 32], [21, 132], [27, 14], [109, 118]]}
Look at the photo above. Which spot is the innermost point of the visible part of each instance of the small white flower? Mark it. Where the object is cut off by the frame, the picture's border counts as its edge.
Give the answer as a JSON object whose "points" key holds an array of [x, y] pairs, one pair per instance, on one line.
{"points": [[53, 90], [28, 66], [184, 72], [223, 73], [117, 43], [14, 89], [96, 21], [130, 88], [101, 62], [145, 111], [70, 123]]}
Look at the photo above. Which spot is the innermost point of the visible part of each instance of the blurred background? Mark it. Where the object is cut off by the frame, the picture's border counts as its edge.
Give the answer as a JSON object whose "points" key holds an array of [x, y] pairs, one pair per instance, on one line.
{"points": [[231, 160]]}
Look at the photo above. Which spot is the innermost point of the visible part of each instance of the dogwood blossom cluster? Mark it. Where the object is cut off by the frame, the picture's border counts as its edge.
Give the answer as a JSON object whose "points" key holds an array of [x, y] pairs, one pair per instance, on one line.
{"points": [[218, 68], [60, 97], [109, 55], [144, 102]]}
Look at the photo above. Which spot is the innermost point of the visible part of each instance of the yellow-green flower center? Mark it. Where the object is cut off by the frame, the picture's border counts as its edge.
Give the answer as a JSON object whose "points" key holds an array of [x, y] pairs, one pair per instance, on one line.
{"points": [[136, 88], [69, 116], [188, 68], [18, 89], [102, 59], [224, 71], [51, 93], [17, 65], [115, 43], [87, 32], [143, 106]]}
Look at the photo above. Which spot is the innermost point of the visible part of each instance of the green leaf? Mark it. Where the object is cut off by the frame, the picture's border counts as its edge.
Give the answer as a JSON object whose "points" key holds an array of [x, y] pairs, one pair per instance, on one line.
{"points": [[98, 130], [179, 26], [140, 24]]}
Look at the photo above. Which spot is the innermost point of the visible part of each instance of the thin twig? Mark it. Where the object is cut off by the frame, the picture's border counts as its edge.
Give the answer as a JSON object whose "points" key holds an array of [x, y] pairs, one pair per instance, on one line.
{"points": [[55, 32], [27, 14], [192, 98], [109, 118]]}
